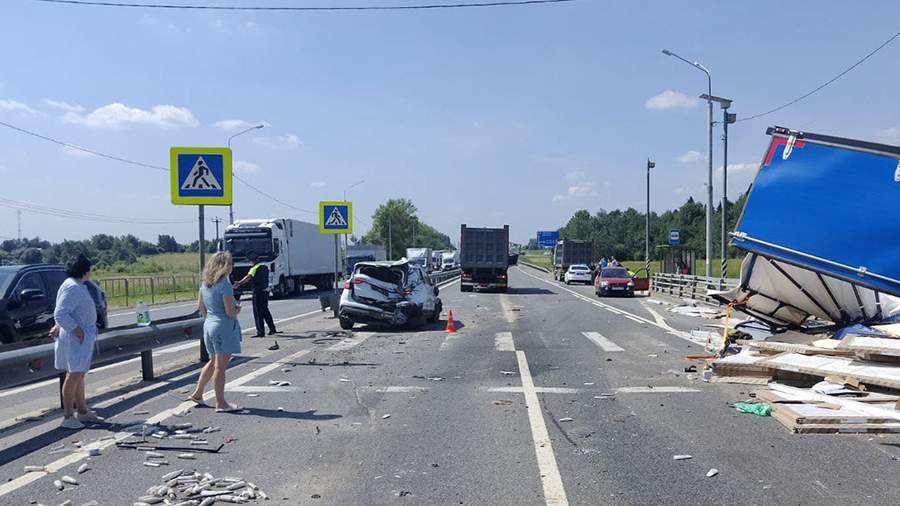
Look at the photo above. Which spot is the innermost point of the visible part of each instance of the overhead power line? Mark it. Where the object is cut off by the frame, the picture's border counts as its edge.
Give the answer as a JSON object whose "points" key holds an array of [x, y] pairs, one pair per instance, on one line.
{"points": [[826, 83], [462, 5], [137, 163], [84, 216]]}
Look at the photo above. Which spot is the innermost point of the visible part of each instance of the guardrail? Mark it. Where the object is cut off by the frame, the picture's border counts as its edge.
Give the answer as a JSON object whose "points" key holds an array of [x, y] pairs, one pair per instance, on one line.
{"points": [[533, 266], [441, 276], [35, 363], [120, 292], [692, 287]]}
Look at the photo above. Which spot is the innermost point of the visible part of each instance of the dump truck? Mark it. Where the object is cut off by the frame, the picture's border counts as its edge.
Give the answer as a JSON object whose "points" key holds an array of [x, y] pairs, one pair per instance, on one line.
{"points": [[484, 258], [571, 252]]}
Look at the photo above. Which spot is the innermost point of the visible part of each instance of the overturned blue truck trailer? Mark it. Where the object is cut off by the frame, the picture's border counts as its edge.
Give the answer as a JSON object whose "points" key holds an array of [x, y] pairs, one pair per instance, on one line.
{"points": [[822, 230]]}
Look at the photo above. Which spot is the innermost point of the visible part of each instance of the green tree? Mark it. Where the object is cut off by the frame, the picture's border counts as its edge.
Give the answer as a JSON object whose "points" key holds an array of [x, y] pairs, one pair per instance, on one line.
{"points": [[396, 226], [167, 244]]}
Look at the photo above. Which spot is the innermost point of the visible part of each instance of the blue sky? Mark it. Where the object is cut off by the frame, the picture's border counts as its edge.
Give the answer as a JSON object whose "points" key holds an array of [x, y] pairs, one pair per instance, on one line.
{"points": [[480, 116]]}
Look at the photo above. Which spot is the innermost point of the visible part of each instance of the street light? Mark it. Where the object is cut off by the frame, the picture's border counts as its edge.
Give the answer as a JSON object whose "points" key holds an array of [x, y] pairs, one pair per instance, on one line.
{"points": [[727, 118], [242, 132], [709, 184], [650, 165], [346, 246]]}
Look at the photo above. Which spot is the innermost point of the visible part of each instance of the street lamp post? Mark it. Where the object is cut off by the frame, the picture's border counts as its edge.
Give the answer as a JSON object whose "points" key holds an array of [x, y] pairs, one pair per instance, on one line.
{"points": [[709, 179], [650, 165], [242, 132], [346, 246], [727, 118]]}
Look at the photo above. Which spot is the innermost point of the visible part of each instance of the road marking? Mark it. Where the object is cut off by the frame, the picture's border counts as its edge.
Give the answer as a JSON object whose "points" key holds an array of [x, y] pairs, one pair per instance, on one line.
{"points": [[400, 389], [655, 390], [634, 318], [503, 341], [554, 492], [604, 343], [677, 333], [448, 341], [540, 390], [55, 466], [508, 313], [350, 342]]}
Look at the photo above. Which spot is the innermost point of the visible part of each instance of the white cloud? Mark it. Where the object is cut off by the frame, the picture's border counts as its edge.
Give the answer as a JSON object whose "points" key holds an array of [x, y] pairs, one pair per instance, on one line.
{"points": [[77, 153], [739, 168], [118, 115], [65, 106], [690, 156], [584, 189], [246, 167], [317, 184], [19, 107], [287, 141], [669, 99], [889, 135]]}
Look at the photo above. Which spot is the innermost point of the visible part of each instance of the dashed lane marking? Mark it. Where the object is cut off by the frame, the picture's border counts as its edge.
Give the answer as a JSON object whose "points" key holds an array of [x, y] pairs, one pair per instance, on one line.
{"points": [[400, 389], [503, 341], [540, 390], [604, 343], [655, 390]]}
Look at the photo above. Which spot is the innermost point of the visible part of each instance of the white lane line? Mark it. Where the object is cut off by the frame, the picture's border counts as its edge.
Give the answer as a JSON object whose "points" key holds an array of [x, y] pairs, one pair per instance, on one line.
{"points": [[503, 341], [400, 389], [655, 390], [634, 318], [554, 492], [55, 466], [677, 333], [267, 389], [172, 349], [540, 390], [604, 343]]}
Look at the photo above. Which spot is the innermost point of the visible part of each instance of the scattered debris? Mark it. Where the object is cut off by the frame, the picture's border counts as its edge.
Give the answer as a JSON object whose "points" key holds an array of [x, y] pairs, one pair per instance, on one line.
{"points": [[187, 456], [279, 408], [385, 416], [252, 395], [502, 402], [682, 457], [58, 484], [589, 384], [507, 373], [758, 408], [69, 480], [181, 488], [566, 419], [140, 412], [83, 468], [344, 380], [32, 469], [712, 472]]}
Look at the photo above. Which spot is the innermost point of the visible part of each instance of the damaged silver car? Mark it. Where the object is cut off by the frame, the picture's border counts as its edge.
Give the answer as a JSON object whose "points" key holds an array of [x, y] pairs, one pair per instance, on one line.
{"points": [[393, 293]]}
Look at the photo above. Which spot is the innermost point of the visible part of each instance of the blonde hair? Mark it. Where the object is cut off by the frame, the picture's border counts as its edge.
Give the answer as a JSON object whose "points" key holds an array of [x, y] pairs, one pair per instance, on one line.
{"points": [[217, 267]]}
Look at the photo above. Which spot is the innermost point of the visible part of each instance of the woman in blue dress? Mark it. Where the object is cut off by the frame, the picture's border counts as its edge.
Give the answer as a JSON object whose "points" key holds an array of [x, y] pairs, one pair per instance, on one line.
{"points": [[75, 332], [221, 331]]}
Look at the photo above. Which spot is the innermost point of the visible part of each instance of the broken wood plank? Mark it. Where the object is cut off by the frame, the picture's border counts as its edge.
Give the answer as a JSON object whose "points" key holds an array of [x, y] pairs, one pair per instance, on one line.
{"points": [[872, 373], [866, 344]]}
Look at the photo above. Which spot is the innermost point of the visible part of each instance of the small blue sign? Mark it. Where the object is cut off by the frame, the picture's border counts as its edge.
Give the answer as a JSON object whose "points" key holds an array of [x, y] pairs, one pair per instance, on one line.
{"points": [[674, 237], [200, 175], [335, 217], [547, 239]]}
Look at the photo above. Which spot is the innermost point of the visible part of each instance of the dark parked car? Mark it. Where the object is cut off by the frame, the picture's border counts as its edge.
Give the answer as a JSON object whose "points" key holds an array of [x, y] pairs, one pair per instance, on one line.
{"points": [[614, 281], [28, 298]]}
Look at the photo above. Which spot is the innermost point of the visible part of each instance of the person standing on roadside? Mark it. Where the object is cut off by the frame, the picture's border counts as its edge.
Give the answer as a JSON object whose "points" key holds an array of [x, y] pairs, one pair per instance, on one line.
{"points": [[259, 276], [75, 332], [221, 332]]}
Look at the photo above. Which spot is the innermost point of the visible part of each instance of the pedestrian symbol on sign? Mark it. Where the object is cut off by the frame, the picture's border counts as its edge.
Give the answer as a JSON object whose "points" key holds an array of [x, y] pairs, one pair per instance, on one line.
{"points": [[336, 219], [200, 177]]}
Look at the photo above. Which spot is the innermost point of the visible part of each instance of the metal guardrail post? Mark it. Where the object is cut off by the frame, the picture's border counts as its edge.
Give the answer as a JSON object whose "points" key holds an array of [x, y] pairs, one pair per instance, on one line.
{"points": [[147, 365], [174, 289], [152, 291], [126, 292]]}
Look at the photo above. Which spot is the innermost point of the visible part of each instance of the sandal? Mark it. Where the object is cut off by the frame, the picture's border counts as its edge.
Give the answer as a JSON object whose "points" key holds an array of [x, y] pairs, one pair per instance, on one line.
{"points": [[230, 409], [200, 403]]}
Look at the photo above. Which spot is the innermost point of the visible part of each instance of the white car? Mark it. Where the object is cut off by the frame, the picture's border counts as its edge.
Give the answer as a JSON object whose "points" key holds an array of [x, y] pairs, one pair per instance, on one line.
{"points": [[578, 273], [394, 293]]}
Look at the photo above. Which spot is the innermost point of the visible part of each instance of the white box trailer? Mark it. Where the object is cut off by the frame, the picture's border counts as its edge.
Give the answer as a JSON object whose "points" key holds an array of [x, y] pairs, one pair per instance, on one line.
{"points": [[295, 252]]}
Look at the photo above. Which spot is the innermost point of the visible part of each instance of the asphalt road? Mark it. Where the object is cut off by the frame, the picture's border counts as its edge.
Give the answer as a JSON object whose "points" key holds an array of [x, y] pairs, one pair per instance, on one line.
{"points": [[545, 395]]}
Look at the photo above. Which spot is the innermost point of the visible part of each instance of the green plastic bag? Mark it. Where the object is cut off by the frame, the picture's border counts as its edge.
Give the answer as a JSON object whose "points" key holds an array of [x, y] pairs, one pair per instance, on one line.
{"points": [[761, 408]]}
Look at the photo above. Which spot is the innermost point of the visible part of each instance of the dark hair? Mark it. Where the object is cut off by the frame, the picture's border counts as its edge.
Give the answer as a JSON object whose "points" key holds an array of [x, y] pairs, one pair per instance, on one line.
{"points": [[252, 256], [78, 266]]}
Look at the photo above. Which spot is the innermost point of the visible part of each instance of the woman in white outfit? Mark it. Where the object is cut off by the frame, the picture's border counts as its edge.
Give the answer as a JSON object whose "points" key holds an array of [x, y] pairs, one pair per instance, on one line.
{"points": [[76, 325]]}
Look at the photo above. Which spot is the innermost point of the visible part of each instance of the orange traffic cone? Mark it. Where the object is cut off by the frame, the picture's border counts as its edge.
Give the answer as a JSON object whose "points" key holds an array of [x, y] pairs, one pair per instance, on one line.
{"points": [[451, 328]]}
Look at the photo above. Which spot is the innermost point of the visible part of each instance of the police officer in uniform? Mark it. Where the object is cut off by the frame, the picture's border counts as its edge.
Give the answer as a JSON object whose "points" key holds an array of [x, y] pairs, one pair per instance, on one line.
{"points": [[259, 276]]}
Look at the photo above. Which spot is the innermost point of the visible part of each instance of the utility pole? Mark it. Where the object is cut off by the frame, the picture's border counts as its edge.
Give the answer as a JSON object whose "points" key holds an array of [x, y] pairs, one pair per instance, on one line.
{"points": [[204, 353], [390, 238], [650, 165], [727, 118], [19, 220], [217, 220]]}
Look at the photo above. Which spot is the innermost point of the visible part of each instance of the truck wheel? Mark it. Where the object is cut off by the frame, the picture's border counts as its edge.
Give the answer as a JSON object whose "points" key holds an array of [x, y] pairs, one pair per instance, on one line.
{"points": [[464, 288], [346, 323]]}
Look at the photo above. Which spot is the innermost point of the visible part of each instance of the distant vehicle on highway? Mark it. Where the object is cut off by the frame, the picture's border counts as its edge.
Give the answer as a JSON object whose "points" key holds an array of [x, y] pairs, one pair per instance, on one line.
{"points": [[420, 257], [571, 252], [484, 258], [28, 299], [578, 273], [296, 253], [449, 260], [364, 253], [393, 293], [614, 281]]}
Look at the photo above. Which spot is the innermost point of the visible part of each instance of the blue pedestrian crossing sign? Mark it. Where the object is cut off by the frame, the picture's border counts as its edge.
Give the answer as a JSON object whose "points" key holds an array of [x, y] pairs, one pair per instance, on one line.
{"points": [[200, 176], [336, 217]]}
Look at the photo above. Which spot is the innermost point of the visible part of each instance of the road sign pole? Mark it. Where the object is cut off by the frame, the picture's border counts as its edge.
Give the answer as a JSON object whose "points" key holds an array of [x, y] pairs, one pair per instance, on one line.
{"points": [[336, 257], [204, 354]]}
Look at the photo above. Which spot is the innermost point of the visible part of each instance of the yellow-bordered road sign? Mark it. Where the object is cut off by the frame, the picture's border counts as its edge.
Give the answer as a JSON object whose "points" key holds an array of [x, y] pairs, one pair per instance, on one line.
{"points": [[200, 176], [336, 217]]}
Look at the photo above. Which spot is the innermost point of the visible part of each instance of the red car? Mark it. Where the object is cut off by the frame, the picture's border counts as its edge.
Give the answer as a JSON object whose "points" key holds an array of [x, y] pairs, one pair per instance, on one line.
{"points": [[614, 281]]}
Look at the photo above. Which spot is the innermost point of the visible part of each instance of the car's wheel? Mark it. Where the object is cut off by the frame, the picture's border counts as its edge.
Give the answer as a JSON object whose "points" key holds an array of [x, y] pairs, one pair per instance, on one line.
{"points": [[346, 323], [464, 288]]}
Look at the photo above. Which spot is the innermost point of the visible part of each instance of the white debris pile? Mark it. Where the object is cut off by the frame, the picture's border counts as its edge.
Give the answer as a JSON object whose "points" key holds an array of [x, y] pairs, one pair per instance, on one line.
{"points": [[191, 488]]}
